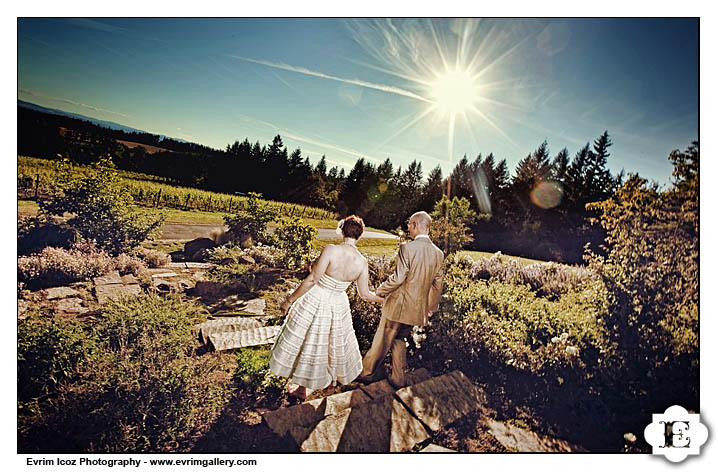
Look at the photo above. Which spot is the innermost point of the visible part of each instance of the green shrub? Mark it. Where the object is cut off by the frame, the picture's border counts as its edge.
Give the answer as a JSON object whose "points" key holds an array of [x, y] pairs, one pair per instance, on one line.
{"points": [[231, 273], [651, 272], [452, 233], [508, 324], [295, 238], [49, 352], [252, 221], [146, 390], [36, 233], [253, 374], [154, 258], [102, 208]]}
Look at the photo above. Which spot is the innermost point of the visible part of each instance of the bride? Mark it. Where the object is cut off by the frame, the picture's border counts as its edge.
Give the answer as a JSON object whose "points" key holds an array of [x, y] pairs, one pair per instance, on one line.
{"points": [[316, 346]]}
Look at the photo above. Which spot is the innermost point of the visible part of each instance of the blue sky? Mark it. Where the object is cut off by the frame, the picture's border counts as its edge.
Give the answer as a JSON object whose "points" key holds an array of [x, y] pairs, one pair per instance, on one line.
{"points": [[366, 88]]}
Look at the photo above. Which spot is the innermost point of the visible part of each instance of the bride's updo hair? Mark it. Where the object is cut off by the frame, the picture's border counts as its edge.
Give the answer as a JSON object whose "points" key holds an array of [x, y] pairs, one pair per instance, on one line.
{"points": [[353, 227]]}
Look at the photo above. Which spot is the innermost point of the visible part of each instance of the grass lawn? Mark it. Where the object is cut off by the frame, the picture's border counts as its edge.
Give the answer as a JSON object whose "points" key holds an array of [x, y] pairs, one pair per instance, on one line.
{"points": [[368, 247], [27, 208]]}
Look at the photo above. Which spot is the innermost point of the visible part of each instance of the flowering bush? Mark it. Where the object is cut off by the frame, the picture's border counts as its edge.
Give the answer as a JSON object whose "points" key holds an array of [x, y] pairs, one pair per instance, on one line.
{"points": [[57, 266], [545, 278], [264, 255], [83, 261], [154, 258], [508, 324]]}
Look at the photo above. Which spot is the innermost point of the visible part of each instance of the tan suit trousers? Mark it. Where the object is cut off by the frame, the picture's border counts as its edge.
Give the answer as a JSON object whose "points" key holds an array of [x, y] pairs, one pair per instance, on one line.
{"points": [[389, 335]]}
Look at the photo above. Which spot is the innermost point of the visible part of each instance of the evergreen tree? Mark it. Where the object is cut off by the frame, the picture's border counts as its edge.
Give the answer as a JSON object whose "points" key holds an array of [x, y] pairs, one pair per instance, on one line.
{"points": [[321, 167], [433, 189]]}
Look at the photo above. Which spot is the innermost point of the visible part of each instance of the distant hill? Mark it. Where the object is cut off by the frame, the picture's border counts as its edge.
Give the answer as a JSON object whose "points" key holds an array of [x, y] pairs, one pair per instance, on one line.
{"points": [[106, 124]]}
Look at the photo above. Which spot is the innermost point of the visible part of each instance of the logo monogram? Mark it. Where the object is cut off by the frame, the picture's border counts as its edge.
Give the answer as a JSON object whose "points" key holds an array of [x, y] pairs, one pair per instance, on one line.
{"points": [[676, 434]]}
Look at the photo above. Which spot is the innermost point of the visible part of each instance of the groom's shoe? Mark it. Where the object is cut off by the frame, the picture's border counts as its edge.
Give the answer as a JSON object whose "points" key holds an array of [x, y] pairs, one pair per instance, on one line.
{"points": [[371, 378]]}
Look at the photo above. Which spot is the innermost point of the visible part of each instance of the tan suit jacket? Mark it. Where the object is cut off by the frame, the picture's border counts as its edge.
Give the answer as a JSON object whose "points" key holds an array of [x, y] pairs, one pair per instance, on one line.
{"points": [[415, 285]]}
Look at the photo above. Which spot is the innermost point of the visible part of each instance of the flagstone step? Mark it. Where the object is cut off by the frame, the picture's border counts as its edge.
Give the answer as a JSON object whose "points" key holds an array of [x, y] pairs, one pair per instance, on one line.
{"points": [[518, 439], [381, 388], [436, 448], [393, 422], [309, 413], [225, 325], [244, 338], [382, 425], [442, 400]]}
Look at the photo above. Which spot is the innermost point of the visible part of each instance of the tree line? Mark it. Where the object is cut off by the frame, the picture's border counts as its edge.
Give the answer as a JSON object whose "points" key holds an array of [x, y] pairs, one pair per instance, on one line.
{"points": [[539, 211]]}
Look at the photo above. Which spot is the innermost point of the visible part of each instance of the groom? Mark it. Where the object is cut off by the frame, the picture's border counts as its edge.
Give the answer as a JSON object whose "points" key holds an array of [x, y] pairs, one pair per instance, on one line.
{"points": [[412, 295]]}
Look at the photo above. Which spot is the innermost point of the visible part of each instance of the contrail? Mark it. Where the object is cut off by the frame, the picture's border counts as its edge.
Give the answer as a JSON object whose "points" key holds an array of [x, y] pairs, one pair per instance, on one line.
{"points": [[64, 100], [361, 83]]}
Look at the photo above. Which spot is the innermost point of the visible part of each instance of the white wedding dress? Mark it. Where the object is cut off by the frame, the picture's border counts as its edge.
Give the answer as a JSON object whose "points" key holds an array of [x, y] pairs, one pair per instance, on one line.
{"points": [[317, 345]]}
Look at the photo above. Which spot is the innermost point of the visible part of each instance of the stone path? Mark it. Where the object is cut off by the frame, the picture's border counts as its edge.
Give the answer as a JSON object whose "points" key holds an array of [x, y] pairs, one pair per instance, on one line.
{"points": [[111, 287], [518, 439], [224, 325], [376, 418], [244, 338], [237, 330], [371, 418]]}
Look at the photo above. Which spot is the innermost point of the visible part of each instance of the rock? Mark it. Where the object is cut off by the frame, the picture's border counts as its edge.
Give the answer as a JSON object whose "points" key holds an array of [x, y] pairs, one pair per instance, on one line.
{"points": [[104, 293], [205, 287], [110, 278], [22, 307], [382, 425], [129, 279], [225, 325], [54, 235], [238, 287], [309, 413], [194, 246], [165, 286], [59, 292], [177, 256], [442, 400], [246, 260], [200, 255], [381, 388], [198, 265], [436, 448], [165, 274], [244, 338], [71, 305], [255, 306], [514, 438]]}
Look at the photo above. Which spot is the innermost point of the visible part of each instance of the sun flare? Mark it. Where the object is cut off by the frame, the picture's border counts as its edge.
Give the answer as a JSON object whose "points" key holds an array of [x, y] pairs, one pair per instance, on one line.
{"points": [[454, 91]]}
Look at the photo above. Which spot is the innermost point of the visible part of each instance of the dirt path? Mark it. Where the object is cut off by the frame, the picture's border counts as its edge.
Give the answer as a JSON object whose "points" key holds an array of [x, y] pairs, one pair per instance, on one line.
{"points": [[182, 231]]}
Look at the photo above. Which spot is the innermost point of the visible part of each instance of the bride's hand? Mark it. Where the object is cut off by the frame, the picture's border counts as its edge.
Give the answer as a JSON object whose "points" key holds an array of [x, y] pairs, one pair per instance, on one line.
{"points": [[285, 306]]}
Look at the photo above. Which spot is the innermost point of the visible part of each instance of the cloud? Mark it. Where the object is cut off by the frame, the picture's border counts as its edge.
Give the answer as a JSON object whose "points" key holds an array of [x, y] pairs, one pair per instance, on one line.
{"points": [[351, 152], [93, 24], [360, 83], [70, 102]]}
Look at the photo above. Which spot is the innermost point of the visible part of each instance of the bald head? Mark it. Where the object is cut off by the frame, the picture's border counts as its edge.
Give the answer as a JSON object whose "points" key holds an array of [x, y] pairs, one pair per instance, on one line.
{"points": [[421, 221]]}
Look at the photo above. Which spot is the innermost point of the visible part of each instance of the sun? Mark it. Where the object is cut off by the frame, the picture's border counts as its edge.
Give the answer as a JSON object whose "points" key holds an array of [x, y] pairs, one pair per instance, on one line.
{"points": [[454, 91]]}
